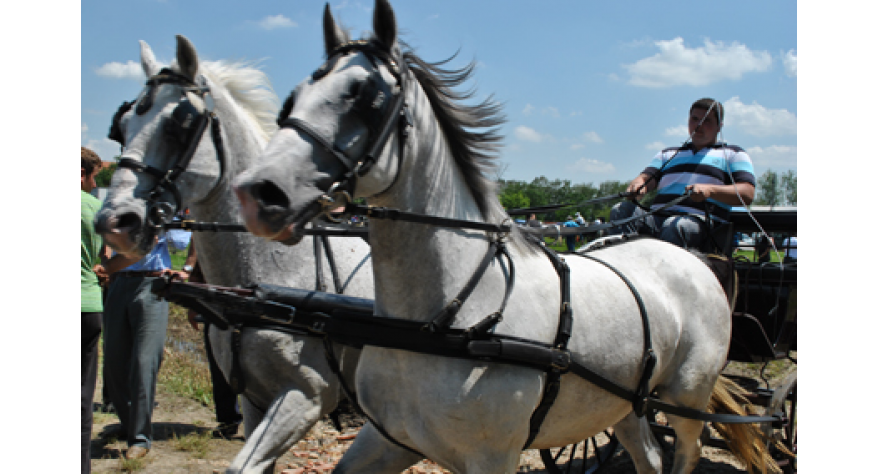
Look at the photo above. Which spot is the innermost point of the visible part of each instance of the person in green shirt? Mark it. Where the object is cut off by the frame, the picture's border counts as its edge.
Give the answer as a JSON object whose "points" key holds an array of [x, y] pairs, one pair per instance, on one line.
{"points": [[91, 306]]}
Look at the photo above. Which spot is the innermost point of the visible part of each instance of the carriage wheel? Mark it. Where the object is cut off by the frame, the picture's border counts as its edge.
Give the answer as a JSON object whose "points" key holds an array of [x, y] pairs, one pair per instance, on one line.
{"points": [[585, 457], [784, 402]]}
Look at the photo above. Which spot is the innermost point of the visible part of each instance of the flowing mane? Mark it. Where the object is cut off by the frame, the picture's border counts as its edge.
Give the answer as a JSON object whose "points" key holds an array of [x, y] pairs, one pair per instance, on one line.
{"points": [[472, 131], [250, 88]]}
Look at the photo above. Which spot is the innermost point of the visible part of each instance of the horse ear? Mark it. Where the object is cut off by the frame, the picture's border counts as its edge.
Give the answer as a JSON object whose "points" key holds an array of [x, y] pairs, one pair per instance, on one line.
{"points": [[384, 24], [187, 58], [333, 35], [148, 60]]}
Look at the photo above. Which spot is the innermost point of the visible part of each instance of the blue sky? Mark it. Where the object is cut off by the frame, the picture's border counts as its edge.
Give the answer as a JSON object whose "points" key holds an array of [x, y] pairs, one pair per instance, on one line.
{"points": [[591, 90]]}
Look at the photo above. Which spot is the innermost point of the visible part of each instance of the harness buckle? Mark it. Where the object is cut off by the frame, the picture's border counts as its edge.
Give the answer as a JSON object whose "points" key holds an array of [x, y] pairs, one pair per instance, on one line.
{"points": [[332, 201], [561, 360]]}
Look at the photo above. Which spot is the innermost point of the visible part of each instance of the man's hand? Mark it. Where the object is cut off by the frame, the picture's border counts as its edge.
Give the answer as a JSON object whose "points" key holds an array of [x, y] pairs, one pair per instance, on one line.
{"points": [[700, 192], [101, 273]]}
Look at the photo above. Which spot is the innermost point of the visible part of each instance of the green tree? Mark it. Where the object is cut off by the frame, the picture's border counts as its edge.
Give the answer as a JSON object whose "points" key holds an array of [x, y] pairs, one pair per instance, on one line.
{"points": [[789, 186], [769, 190], [102, 179], [514, 200]]}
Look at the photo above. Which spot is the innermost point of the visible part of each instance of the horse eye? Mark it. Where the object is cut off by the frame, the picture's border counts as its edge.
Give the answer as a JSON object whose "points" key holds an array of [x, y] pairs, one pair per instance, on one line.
{"points": [[354, 90]]}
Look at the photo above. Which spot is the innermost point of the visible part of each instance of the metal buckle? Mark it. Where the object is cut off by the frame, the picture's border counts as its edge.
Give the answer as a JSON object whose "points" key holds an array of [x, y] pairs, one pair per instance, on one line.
{"points": [[331, 201]]}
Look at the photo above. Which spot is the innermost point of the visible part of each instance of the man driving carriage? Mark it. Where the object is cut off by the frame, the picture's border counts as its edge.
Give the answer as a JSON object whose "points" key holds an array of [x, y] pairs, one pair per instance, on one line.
{"points": [[718, 176]]}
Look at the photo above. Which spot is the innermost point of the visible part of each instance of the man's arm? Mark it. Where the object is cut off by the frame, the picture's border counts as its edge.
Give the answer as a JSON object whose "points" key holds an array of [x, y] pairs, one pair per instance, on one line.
{"points": [[638, 184], [728, 194]]}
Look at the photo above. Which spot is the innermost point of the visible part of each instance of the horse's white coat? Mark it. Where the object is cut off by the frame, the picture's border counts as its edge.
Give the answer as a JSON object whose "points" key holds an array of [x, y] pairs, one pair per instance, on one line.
{"points": [[289, 385], [473, 416]]}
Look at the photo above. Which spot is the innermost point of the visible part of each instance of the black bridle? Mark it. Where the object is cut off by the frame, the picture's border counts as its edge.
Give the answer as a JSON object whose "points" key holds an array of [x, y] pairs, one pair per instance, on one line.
{"points": [[381, 107], [186, 125]]}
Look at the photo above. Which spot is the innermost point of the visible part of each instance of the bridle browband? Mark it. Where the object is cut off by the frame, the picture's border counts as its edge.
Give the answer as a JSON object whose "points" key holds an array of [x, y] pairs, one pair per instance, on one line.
{"points": [[382, 110], [186, 125]]}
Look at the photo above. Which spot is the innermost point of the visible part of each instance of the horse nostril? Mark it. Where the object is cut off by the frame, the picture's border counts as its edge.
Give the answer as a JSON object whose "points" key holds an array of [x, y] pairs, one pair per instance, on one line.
{"points": [[128, 223], [268, 195]]}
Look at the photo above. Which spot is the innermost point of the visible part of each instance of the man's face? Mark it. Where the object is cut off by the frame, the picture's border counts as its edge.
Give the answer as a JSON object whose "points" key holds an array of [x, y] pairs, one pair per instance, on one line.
{"points": [[703, 134], [87, 182]]}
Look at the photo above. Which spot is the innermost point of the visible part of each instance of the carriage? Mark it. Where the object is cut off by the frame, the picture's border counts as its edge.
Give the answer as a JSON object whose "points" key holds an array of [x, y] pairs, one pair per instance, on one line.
{"points": [[496, 370]]}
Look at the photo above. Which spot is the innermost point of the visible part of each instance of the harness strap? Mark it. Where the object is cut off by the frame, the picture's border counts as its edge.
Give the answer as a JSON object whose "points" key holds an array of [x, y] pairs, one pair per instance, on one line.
{"points": [[562, 358], [443, 319], [649, 358]]}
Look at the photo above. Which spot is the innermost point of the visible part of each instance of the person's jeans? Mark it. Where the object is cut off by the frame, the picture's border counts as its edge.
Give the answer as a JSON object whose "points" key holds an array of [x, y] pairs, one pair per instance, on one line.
{"points": [[225, 400], [135, 321], [685, 231], [90, 332]]}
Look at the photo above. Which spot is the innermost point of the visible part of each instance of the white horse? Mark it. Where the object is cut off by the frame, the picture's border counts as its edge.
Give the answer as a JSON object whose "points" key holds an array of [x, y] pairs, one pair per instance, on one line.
{"points": [[469, 415], [288, 384]]}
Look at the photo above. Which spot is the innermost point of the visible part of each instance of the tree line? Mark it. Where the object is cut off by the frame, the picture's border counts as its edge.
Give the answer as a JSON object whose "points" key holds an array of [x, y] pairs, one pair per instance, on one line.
{"points": [[773, 190]]}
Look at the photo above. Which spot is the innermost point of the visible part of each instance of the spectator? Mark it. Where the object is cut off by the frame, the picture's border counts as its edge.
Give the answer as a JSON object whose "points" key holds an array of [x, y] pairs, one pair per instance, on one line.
{"points": [[91, 306], [534, 222], [579, 219], [570, 239], [135, 321]]}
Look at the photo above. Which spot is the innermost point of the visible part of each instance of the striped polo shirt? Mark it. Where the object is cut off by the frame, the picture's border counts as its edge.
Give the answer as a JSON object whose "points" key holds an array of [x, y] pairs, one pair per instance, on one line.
{"points": [[679, 167]]}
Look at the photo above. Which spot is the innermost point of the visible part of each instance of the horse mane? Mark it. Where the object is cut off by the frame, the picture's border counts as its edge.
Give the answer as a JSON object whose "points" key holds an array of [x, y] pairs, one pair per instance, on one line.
{"points": [[250, 88], [472, 131]]}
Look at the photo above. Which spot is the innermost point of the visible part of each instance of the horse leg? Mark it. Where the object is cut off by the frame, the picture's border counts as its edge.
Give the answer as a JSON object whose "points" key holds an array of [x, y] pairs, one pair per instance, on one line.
{"points": [[688, 448], [636, 437], [288, 419], [371, 452], [252, 416]]}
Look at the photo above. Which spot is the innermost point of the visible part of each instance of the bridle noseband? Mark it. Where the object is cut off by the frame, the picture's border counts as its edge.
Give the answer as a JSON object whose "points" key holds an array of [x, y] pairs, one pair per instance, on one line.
{"points": [[186, 126], [380, 108]]}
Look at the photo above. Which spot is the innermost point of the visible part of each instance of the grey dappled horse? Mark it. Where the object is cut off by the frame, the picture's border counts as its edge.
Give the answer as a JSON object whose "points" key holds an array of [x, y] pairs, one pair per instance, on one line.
{"points": [[288, 384], [468, 415]]}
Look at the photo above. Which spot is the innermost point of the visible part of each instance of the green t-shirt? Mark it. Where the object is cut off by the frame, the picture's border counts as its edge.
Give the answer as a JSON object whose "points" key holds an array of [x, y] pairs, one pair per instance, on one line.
{"points": [[90, 297]]}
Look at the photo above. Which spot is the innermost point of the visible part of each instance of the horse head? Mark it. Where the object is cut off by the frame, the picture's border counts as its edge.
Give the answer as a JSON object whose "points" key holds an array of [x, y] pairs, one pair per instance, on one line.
{"points": [[171, 155], [340, 133]]}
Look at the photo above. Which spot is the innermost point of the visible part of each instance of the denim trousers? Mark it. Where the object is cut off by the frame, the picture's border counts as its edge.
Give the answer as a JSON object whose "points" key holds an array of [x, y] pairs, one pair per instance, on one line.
{"points": [[135, 321], [686, 231]]}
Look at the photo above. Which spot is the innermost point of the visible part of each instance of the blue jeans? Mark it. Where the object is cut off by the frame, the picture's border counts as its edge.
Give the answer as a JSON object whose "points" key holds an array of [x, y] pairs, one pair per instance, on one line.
{"points": [[685, 231], [135, 321]]}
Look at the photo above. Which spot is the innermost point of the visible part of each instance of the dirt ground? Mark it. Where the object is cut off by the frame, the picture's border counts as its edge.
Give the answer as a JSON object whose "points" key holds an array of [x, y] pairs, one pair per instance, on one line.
{"points": [[182, 445]]}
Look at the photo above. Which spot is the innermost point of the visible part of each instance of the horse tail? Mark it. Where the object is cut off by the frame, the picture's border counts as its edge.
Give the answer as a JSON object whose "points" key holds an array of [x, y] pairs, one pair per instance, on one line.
{"points": [[746, 440]]}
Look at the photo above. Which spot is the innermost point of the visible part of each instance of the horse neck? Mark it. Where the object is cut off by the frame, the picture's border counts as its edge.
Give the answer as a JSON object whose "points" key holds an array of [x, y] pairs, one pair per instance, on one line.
{"points": [[424, 262], [240, 258]]}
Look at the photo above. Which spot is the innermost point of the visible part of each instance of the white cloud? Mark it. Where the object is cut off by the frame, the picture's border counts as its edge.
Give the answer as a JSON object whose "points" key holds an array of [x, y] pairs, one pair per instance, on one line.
{"points": [[590, 165], [551, 111], [656, 146], [528, 134], [774, 157], [84, 130], [680, 131], [117, 70], [677, 65], [272, 22], [528, 110], [755, 119], [593, 137], [576, 146], [789, 61]]}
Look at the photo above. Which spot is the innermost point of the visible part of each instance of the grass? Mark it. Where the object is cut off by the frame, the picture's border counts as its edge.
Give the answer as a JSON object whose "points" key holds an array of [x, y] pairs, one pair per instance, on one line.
{"points": [[197, 444], [184, 369]]}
